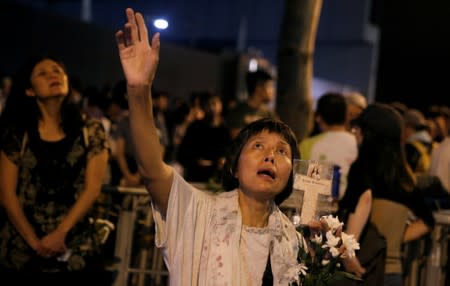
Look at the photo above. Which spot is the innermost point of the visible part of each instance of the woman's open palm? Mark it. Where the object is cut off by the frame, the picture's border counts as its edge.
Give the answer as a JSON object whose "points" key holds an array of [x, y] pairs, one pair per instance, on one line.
{"points": [[139, 59]]}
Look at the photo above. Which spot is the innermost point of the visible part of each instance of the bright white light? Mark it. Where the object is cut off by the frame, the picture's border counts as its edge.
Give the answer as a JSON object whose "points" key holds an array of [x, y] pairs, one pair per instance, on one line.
{"points": [[253, 65], [161, 24]]}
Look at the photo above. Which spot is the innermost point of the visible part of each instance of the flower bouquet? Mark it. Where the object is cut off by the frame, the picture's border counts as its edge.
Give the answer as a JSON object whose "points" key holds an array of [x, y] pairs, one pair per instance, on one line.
{"points": [[320, 261]]}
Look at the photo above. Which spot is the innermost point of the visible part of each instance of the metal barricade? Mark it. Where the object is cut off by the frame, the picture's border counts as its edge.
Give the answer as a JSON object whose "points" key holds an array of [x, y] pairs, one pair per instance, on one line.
{"points": [[437, 260], [137, 264]]}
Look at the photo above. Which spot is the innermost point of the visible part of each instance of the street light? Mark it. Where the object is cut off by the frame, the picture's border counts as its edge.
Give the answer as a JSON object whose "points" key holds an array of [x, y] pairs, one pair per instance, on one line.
{"points": [[161, 24]]}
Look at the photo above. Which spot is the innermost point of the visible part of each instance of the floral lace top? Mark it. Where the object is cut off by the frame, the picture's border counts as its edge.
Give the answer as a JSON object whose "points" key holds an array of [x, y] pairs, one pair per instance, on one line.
{"points": [[51, 176], [201, 239]]}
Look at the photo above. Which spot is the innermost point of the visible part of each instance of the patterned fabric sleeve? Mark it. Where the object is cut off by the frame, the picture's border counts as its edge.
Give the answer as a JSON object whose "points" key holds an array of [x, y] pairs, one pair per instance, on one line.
{"points": [[11, 144], [97, 139]]}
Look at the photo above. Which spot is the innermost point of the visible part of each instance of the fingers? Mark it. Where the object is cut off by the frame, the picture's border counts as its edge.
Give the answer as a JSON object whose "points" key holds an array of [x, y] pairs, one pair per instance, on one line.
{"points": [[120, 39], [135, 30], [123, 37], [132, 26], [142, 28], [156, 43], [129, 34]]}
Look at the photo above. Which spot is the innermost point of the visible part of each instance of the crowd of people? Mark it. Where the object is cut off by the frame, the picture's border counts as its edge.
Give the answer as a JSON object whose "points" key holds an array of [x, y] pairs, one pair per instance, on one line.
{"points": [[61, 143]]}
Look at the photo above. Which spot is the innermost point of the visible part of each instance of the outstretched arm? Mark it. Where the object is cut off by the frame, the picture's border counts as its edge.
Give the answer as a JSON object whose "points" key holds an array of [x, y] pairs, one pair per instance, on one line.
{"points": [[139, 62]]}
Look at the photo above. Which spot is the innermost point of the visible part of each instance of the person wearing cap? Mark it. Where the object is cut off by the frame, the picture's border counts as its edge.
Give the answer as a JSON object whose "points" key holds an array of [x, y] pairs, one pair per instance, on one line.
{"points": [[356, 103], [380, 194], [418, 141]]}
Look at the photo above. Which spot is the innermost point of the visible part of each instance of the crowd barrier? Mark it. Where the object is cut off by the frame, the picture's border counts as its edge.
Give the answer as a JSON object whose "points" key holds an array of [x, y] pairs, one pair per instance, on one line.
{"points": [[140, 263]]}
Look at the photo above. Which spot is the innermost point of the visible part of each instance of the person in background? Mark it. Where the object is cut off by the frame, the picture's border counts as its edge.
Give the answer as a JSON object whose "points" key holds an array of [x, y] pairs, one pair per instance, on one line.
{"points": [[182, 117], [238, 237], [399, 106], [380, 192], [117, 111], [418, 141], [439, 115], [124, 156], [96, 101], [260, 88], [440, 156], [202, 159], [335, 144], [52, 164], [160, 106], [118, 106], [356, 103], [440, 165]]}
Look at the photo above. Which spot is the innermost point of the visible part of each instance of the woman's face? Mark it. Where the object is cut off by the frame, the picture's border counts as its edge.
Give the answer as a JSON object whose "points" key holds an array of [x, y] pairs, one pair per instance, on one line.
{"points": [[48, 79], [264, 166]]}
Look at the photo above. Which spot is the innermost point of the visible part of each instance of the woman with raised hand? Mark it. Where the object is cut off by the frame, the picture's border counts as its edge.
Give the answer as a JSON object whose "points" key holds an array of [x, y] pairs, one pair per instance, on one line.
{"points": [[239, 237]]}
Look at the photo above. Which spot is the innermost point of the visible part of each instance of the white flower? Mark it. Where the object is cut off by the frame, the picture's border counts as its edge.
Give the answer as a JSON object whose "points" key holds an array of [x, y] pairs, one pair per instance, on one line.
{"points": [[334, 251], [302, 268], [293, 272], [350, 244], [332, 240], [332, 222]]}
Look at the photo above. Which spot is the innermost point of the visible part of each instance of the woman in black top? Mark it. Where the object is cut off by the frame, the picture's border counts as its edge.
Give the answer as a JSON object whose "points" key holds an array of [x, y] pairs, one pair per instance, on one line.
{"points": [[203, 159], [52, 163], [381, 173]]}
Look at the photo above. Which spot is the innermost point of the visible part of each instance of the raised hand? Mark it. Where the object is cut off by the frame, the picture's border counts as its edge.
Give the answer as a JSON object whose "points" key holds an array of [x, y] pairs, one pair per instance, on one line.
{"points": [[139, 59]]}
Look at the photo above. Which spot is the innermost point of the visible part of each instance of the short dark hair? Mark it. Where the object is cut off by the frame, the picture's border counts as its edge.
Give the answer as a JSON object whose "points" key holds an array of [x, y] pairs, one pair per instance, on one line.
{"points": [[271, 125], [332, 108], [255, 78]]}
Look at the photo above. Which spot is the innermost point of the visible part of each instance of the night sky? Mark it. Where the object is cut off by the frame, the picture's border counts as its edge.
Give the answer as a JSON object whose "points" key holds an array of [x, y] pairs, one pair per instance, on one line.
{"points": [[414, 52]]}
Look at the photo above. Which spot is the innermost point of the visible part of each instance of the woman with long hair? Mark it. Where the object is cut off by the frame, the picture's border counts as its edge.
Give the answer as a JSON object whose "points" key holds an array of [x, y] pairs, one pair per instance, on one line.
{"points": [[380, 192], [52, 163]]}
